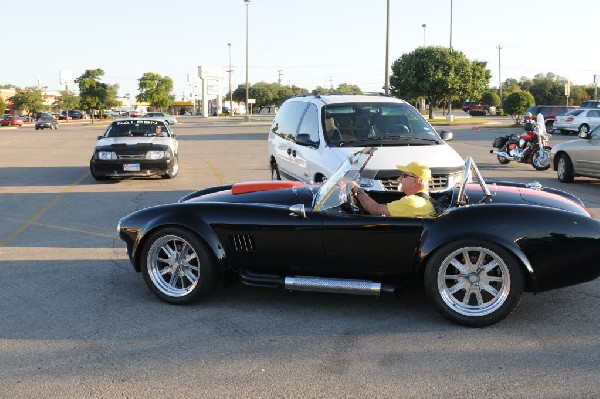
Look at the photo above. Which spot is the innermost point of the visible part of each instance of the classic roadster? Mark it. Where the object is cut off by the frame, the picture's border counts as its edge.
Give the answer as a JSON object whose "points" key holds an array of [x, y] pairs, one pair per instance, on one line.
{"points": [[487, 243]]}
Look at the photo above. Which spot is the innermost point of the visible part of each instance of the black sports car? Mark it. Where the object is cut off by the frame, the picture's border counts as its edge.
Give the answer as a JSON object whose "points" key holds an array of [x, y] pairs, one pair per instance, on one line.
{"points": [[487, 243]]}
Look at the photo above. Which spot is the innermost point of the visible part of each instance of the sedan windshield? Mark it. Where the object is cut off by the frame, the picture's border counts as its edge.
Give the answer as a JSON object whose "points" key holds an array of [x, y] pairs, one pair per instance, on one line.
{"points": [[376, 124], [137, 128]]}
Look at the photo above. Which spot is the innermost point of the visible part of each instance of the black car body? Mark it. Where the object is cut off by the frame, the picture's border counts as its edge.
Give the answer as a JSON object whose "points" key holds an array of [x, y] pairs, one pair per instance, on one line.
{"points": [[46, 122], [485, 245], [72, 114], [135, 148]]}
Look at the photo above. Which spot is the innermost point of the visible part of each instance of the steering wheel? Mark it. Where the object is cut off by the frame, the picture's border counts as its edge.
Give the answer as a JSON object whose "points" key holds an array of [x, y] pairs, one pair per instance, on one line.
{"points": [[354, 206], [397, 128]]}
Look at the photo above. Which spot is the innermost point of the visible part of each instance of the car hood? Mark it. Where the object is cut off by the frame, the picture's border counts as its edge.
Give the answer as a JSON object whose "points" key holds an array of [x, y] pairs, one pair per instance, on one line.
{"points": [[108, 141], [436, 156]]}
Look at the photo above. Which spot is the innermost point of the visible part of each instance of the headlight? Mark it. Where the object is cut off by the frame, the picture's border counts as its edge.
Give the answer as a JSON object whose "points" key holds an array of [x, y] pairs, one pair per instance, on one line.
{"points": [[107, 155], [155, 155]]}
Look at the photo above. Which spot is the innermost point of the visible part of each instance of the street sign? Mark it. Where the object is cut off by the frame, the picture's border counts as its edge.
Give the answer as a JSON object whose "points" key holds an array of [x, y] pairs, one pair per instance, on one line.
{"points": [[567, 89], [252, 101]]}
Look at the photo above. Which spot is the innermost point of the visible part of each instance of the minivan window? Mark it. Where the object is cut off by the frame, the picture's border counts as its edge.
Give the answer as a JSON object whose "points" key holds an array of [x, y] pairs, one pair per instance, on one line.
{"points": [[288, 118], [310, 123]]}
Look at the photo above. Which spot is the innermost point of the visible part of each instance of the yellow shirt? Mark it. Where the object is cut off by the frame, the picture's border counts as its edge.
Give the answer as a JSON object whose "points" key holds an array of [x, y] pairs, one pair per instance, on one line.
{"points": [[411, 206]]}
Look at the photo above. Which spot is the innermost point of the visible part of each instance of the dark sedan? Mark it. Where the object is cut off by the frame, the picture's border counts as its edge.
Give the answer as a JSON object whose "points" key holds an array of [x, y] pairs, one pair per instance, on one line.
{"points": [[46, 122], [487, 243]]}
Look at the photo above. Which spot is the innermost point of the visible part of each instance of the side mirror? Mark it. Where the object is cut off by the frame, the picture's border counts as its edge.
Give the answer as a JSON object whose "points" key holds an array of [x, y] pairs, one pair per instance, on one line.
{"points": [[100, 137], [304, 139], [584, 135], [447, 135], [297, 211]]}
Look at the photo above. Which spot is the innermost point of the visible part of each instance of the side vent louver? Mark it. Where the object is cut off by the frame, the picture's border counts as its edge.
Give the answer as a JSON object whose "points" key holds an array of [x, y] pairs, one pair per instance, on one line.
{"points": [[242, 242]]}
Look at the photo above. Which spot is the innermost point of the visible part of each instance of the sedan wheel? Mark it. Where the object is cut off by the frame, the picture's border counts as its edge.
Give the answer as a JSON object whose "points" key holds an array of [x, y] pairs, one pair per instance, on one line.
{"points": [[474, 283], [584, 128], [564, 169], [550, 127], [177, 266]]}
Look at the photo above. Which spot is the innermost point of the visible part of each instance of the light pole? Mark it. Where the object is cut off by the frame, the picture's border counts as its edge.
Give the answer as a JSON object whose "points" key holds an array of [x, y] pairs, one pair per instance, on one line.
{"points": [[230, 93], [450, 117], [386, 86], [424, 26], [500, 76], [247, 115]]}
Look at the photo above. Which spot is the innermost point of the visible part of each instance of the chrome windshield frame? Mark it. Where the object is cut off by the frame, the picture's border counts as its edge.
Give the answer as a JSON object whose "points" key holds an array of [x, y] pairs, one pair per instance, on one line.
{"points": [[471, 169]]}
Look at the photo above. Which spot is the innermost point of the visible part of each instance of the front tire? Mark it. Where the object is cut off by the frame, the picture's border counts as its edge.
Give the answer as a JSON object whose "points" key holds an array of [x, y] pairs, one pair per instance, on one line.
{"points": [[177, 266], [564, 169], [174, 170], [474, 283], [536, 160]]}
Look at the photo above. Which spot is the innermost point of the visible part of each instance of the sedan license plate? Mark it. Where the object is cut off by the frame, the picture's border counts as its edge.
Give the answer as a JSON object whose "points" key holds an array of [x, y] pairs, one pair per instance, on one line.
{"points": [[131, 167]]}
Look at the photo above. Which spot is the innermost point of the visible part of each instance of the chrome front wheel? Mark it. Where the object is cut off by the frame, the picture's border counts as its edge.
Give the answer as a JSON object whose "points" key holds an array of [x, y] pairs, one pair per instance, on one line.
{"points": [[177, 267]]}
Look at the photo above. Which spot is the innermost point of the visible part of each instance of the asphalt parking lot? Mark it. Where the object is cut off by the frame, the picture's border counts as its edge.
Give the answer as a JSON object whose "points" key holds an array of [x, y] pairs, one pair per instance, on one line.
{"points": [[77, 321]]}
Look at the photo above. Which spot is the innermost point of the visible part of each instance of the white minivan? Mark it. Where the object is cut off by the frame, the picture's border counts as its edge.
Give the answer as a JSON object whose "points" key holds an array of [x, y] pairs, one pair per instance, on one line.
{"points": [[312, 135]]}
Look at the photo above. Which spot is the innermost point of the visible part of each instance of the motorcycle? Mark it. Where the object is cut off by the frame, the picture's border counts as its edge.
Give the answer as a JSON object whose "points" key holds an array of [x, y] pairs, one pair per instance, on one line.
{"points": [[530, 147]]}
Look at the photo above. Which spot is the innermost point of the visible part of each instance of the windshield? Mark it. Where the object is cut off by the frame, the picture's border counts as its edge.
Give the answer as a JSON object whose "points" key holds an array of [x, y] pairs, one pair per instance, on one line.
{"points": [[333, 192], [137, 128], [375, 124]]}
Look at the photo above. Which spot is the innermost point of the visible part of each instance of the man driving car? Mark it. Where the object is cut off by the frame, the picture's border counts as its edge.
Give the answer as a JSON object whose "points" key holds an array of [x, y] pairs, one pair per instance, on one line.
{"points": [[414, 183]]}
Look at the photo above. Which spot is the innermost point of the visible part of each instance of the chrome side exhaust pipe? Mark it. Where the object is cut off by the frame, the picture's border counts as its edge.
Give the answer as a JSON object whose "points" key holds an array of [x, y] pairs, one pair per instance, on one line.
{"points": [[502, 154], [335, 285]]}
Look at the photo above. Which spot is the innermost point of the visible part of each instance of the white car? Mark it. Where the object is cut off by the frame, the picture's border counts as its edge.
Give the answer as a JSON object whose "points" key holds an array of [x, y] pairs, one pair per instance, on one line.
{"points": [[136, 147], [312, 135], [170, 119], [580, 120]]}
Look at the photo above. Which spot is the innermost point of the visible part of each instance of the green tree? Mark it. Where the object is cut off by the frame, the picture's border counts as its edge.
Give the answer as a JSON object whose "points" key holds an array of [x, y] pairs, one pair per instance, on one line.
{"points": [[548, 89], [436, 73], [490, 98], [66, 101], [29, 99], [346, 88], [516, 103], [155, 89], [112, 92], [2, 106], [92, 92]]}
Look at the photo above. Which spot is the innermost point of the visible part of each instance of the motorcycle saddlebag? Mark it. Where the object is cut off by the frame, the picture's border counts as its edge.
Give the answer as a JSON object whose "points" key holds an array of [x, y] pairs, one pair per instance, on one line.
{"points": [[500, 141]]}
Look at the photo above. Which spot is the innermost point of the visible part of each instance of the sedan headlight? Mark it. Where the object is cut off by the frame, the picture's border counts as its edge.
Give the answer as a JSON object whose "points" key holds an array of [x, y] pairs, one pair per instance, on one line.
{"points": [[107, 155], [155, 155]]}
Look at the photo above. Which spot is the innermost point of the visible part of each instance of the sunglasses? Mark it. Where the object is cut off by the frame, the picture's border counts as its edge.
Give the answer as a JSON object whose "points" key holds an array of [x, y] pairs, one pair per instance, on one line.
{"points": [[403, 175]]}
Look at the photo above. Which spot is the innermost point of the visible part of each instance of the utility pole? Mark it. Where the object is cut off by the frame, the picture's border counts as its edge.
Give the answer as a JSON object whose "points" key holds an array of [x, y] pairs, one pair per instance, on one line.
{"points": [[450, 118], [279, 71], [424, 26], [386, 86], [330, 84], [230, 93], [500, 76]]}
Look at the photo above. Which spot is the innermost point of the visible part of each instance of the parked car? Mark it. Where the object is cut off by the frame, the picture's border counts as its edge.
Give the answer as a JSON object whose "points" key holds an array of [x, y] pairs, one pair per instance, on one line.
{"points": [[590, 104], [580, 157], [580, 120], [471, 264], [135, 148], [73, 114], [170, 119], [312, 135], [470, 105], [11, 120], [46, 122], [550, 112]]}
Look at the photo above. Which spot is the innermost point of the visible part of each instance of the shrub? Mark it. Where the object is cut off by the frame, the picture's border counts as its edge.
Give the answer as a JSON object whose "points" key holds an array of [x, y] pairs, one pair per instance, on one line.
{"points": [[477, 112], [516, 103]]}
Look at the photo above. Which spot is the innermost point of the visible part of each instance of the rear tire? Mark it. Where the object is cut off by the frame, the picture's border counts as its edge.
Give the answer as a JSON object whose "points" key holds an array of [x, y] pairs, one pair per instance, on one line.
{"points": [[564, 169], [502, 160], [473, 282], [584, 129], [275, 172]]}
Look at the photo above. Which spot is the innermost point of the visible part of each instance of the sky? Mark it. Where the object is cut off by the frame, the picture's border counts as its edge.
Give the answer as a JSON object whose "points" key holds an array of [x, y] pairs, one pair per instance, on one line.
{"points": [[306, 43]]}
